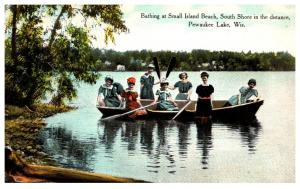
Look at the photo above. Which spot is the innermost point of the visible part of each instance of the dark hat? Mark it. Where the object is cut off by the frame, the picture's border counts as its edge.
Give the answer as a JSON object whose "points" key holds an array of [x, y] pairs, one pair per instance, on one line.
{"points": [[164, 82], [109, 77], [252, 81], [204, 74]]}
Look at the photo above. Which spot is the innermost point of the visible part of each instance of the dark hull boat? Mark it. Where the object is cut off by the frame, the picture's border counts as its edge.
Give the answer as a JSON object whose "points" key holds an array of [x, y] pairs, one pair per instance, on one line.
{"points": [[220, 110], [223, 112], [110, 111]]}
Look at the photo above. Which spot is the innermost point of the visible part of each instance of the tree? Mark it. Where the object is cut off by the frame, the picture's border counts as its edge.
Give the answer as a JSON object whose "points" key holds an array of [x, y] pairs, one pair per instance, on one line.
{"points": [[43, 58]]}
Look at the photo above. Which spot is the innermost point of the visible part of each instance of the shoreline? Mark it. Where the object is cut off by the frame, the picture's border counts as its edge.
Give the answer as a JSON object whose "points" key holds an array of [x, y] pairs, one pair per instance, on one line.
{"points": [[22, 126], [25, 161]]}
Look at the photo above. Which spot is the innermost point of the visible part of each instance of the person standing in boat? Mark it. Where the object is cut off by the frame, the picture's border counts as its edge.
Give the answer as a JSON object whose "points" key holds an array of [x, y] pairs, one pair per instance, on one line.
{"points": [[184, 87], [131, 98], [247, 94], [164, 98], [147, 82], [204, 102], [108, 93]]}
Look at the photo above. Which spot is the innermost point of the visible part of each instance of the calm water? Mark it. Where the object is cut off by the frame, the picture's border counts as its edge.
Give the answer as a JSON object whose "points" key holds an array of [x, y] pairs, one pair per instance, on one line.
{"points": [[262, 150]]}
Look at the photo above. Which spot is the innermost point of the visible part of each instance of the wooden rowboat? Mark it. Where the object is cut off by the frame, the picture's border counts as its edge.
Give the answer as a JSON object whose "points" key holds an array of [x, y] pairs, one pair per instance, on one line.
{"points": [[220, 110], [110, 111]]}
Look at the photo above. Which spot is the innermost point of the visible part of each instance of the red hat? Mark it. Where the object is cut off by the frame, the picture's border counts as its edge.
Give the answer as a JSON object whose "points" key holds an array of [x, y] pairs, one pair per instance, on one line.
{"points": [[131, 80]]}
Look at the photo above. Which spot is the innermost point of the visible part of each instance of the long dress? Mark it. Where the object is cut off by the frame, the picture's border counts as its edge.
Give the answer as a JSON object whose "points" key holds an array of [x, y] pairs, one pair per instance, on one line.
{"points": [[131, 103], [183, 88], [204, 107], [109, 95], [164, 103], [246, 93], [147, 89]]}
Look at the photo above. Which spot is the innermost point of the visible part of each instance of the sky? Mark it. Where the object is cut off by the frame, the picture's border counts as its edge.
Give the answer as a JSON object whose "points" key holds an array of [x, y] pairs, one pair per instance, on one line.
{"points": [[258, 35]]}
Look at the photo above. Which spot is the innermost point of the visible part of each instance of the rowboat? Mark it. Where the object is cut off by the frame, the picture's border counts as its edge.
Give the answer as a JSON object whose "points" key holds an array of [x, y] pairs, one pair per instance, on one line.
{"points": [[110, 111], [221, 111]]}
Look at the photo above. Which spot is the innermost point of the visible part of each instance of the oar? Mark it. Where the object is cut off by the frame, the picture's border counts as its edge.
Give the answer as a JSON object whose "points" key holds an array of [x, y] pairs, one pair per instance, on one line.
{"points": [[126, 113], [181, 110], [171, 66], [156, 67]]}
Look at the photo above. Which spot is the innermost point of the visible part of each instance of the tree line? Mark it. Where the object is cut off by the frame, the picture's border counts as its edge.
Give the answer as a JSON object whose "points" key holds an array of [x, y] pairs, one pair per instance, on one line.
{"points": [[196, 60]]}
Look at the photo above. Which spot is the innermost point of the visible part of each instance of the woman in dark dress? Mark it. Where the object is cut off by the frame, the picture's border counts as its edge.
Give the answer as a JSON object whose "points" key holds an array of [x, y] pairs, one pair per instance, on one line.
{"points": [[147, 82], [204, 91]]}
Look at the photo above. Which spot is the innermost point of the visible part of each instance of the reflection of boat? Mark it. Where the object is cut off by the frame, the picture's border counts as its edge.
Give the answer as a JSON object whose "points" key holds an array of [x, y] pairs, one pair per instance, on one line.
{"points": [[220, 110]]}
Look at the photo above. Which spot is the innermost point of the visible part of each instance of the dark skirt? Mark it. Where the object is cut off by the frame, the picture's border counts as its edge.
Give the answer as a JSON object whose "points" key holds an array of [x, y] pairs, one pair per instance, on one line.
{"points": [[147, 93], [204, 108], [112, 102]]}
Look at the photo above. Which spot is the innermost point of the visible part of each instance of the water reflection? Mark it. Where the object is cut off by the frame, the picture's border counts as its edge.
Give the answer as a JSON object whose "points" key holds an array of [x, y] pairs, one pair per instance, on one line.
{"points": [[110, 130], [204, 142], [130, 136], [183, 138], [249, 131], [66, 149], [146, 140], [165, 145]]}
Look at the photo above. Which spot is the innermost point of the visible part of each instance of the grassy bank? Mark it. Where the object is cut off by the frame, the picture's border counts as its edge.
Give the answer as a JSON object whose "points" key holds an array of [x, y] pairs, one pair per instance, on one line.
{"points": [[22, 126]]}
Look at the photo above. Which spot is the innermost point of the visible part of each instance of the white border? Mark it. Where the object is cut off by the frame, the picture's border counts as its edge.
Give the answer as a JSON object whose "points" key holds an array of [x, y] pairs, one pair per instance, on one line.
{"points": [[179, 185]]}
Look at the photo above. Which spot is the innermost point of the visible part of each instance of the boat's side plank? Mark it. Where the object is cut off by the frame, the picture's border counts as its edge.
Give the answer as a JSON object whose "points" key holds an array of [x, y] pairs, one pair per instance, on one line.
{"points": [[219, 109]]}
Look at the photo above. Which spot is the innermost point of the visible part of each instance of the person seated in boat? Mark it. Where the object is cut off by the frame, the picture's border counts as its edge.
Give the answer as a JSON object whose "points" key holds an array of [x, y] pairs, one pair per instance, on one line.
{"points": [[131, 99], [108, 93], [204, 102], [247, 94], [184, 87], [164, 98], [147, 82]]}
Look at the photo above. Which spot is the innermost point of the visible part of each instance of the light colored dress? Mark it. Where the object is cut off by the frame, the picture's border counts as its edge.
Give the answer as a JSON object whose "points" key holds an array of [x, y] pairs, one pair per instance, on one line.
{"points": [[164, 103], [245, 94], [183, 88]]}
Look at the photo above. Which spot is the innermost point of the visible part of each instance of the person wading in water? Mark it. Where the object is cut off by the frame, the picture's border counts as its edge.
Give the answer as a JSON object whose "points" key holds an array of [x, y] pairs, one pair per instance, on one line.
{"points": [[204, 102]]}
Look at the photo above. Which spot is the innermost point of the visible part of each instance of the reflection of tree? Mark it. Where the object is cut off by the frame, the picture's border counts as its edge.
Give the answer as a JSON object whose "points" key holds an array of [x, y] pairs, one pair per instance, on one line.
{"points": [[204, 142], [67, 149], [249, 130], [110, 131], [183, 137]]}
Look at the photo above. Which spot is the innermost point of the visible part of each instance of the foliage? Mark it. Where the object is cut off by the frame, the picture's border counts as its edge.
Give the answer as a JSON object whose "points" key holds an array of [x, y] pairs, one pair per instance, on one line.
{"points": [[198, 60], [47, 49]]}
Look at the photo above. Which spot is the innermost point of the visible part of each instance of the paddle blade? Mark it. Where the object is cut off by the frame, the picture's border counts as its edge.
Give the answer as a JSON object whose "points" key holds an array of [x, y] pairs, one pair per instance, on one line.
{"points": [[155, 62], [171, 66]]}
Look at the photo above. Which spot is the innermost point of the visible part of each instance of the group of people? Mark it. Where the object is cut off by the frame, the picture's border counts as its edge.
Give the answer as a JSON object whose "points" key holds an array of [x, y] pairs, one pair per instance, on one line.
{"points": [[112, 94]]}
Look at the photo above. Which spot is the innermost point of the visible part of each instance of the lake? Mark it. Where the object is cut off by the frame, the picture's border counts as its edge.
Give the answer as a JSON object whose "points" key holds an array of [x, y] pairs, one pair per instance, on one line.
{"points": [[260, 150]]}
